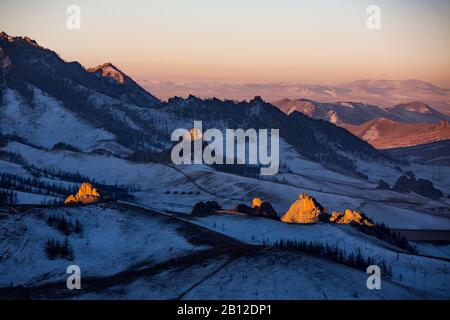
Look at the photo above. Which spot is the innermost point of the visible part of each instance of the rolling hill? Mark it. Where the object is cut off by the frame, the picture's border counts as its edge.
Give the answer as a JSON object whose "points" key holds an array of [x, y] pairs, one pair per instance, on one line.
{"points": [[383, 133]]}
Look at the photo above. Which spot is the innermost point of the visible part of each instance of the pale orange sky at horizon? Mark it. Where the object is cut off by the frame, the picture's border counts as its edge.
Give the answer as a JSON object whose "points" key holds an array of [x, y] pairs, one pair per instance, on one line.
{"points": [[322, 42]]}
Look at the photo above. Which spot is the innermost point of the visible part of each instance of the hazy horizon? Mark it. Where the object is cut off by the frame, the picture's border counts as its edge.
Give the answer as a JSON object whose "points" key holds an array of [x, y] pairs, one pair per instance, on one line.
{"points": [[245, 42]]}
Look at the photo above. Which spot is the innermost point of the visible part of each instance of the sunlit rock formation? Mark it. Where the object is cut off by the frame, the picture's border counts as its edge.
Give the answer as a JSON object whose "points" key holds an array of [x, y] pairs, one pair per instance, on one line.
{"points": [[70, 199], [257, 202], [194, 134], [86, 194], [305, 210], [349, 217]]}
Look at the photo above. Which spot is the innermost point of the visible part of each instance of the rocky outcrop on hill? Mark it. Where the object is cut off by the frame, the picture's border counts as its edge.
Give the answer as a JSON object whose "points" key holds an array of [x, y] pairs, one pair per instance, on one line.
{"points": [[86, 194], [383, 185], [193, 134], [257, 202], [408, 183], [305, 210], [204, 208], [264, 209], [350, 217], [259, 208]]}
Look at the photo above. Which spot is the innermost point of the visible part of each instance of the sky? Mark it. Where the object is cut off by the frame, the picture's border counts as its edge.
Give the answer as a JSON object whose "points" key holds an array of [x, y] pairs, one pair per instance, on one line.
{"points": [[238, 41]]}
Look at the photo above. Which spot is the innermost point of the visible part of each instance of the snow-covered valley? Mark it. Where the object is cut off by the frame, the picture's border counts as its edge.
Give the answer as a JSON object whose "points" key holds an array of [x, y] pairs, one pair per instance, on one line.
{"points": [[129, 253], [62, 126]]}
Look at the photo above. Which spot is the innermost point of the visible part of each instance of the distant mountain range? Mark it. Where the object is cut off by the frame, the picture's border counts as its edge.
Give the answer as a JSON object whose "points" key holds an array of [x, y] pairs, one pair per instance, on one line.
{"points": [[384, 93], [405, 124], [355, 113]]}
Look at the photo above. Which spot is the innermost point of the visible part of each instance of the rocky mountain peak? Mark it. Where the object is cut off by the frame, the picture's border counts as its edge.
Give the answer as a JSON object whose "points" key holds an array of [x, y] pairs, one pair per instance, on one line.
{"points": [[6, 37], [109, 71], [24, 40], [257, 99]]}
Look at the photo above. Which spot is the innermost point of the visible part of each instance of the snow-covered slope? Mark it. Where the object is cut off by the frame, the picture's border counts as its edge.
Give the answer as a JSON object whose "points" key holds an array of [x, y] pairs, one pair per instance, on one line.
{"points": [[435, 153], [112, 240], [180, 187], [46, 122], [129, 253], [428, 274]]}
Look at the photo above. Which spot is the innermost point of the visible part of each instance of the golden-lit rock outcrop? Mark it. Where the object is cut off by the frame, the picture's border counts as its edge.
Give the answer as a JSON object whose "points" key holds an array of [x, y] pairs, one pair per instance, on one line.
{"points": [[86, 194], [194, 134], [305, 210], [349, 217], [257, 202], [70, 199]]}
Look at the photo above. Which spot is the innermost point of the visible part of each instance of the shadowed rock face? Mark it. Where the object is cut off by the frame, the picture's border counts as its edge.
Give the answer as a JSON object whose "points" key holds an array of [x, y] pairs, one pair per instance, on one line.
{"points": [[86, 194], [245, 209], [205, 208], [259, 208], [349, 217], [383, 185], [305, 210], [264, 209], [408, 183]]}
